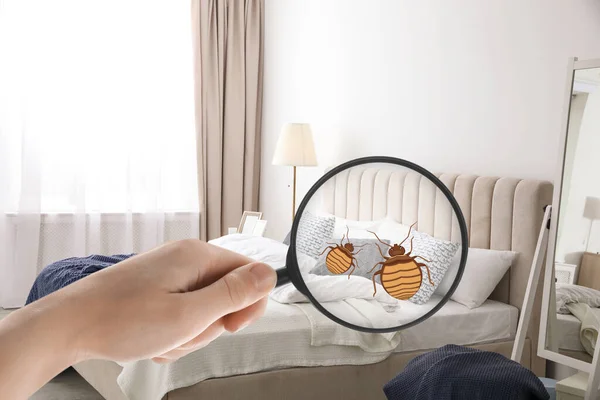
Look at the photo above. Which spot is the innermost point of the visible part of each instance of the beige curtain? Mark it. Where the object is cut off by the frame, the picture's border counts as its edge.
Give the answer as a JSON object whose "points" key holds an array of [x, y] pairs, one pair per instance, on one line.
{"points": [[228, 63]]}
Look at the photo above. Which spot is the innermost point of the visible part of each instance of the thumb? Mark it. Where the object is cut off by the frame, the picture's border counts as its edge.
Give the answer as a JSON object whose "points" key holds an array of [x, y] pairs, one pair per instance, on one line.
{"points": [[235, 291]]}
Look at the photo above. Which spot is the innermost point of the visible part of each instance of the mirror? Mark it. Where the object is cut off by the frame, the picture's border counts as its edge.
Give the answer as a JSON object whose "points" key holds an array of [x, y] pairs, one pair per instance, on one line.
{"points": [[573, 293]]}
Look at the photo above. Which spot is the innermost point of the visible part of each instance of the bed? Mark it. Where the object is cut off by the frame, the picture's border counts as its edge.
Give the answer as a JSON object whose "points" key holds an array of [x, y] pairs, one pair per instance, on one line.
{"points": [[277, 357], [569, 341], [577, 321]]}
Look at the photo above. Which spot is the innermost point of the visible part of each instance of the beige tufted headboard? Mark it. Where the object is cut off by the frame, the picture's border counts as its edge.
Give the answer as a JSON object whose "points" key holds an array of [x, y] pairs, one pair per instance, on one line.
{"points": [[500, 213]]}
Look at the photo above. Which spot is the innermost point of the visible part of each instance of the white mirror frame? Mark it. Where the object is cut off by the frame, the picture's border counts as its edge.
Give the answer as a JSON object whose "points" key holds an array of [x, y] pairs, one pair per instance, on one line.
{"points": [[548, 293]]}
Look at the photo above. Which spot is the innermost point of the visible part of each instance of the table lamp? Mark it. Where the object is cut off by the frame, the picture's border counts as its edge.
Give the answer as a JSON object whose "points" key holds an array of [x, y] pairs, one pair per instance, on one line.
{"points": [[591, 211], [295, 148]]}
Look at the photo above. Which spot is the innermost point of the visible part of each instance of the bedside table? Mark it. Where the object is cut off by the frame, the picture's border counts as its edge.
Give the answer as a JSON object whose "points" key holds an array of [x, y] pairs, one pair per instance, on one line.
{"points": [[565, 273], [572, 388], [589, 272]]}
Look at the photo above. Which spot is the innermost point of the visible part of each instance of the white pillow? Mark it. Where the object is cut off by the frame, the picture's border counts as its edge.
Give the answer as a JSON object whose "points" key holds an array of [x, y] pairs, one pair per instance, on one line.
{"points": [[483, 271], [357, 229], [566, 294], [392, 230], [448, 280]]}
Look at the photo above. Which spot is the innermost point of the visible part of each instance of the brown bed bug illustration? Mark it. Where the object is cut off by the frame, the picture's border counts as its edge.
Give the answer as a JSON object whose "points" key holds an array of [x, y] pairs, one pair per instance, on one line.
{"points": [[341, 256], [400, 273]]}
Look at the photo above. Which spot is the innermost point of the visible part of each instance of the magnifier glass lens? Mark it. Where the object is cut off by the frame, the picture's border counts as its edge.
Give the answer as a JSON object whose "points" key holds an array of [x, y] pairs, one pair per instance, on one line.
{"points": [[378, 246]]}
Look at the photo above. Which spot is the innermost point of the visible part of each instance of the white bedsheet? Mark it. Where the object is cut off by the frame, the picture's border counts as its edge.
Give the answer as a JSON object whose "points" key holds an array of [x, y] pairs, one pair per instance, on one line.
{"points": [[283, 338], [590, 324], [333, 288], [323, 332]]}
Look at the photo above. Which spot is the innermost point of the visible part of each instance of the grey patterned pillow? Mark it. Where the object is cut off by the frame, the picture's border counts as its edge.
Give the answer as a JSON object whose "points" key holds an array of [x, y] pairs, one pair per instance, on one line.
{"points": [[287, 238], [313, 233], [367, 257], [440, 252]]}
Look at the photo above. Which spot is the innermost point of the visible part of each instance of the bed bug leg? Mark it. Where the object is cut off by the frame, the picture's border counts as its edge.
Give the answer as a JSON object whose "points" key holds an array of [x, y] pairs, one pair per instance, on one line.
{"points": [[353, 268], [428, 273], [374, 285], [375, 266], [326, 248]]}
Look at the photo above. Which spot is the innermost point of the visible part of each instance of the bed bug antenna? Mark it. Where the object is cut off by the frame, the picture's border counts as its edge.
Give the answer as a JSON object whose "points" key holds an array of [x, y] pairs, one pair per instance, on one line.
{"points": [[381, 241], [408, 234]]}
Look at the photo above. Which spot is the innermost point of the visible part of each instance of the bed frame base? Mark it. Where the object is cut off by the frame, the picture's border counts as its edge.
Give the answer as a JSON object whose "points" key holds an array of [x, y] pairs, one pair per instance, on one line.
{"points": [[348, 382]]}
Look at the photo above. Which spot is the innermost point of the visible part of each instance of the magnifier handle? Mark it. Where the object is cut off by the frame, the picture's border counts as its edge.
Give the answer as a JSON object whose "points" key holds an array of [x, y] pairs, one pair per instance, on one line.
{"points": [[283, 276]]}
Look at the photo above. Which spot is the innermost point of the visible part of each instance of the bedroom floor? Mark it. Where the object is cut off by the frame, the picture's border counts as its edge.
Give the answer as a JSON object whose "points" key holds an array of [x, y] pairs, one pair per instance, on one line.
{"points": [[66, 386]]}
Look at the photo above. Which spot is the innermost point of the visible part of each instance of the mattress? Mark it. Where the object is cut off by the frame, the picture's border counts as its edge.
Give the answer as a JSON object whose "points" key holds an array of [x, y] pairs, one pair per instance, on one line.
{"points": [[457, 324], [568, 327], [282, 339]]}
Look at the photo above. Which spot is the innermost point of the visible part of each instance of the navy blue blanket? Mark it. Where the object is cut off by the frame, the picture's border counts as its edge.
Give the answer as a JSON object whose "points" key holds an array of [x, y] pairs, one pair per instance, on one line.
{"points": [[456, 373], [64, 272]]}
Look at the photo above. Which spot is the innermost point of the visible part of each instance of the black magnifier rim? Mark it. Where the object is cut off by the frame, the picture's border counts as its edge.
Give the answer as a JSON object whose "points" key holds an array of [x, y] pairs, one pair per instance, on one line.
{"points": [[292, 261]]}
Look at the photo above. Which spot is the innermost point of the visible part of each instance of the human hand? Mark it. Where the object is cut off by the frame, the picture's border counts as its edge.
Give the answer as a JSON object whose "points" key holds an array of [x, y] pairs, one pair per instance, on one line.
{"points": [[162, 304]]}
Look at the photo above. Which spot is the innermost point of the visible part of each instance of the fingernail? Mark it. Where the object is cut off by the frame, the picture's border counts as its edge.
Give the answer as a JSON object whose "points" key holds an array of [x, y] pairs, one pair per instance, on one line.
{"points": [[264, 275]]}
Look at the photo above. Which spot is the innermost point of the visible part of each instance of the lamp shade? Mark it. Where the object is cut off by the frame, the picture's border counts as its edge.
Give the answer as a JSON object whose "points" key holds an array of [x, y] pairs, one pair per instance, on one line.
{"points": [[592, 208], [295, 146]]}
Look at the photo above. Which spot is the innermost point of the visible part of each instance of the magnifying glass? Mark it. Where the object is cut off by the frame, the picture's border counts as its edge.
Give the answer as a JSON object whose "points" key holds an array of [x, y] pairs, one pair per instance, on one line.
{"points": [[392, 267]]}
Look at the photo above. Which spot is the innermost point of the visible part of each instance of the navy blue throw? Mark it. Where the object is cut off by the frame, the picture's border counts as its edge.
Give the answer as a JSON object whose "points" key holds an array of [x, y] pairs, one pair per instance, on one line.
{"points": [[64, 272], [456, 373]]}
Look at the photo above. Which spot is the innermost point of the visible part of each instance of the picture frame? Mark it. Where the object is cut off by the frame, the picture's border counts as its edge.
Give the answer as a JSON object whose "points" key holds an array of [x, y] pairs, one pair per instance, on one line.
{"points": [[259, 227], [248, 222]]}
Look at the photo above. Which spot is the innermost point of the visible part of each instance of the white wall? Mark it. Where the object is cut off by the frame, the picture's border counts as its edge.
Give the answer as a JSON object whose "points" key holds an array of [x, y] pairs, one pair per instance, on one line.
{"points": [[462, 86]]}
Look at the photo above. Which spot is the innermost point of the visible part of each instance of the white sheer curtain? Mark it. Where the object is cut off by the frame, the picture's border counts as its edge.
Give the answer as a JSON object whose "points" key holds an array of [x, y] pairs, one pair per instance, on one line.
{"points": [[97, 138]]}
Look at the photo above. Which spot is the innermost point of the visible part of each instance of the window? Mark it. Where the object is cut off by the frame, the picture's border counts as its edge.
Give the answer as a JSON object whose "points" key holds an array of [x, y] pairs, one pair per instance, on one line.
{"points": [[96, 106]]}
